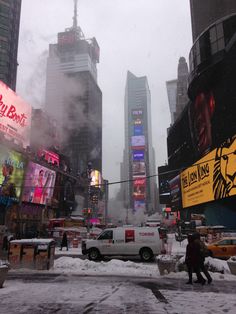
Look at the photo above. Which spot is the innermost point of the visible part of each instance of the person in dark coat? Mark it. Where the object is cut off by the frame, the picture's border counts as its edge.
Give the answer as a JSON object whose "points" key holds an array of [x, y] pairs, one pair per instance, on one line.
{"points": [[189, 259], [192, 260], [64, 242], [201, 250]]}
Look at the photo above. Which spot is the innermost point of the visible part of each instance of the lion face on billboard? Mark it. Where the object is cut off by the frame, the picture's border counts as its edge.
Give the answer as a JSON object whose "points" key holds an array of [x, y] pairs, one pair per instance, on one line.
{"points": [[224, 177]]}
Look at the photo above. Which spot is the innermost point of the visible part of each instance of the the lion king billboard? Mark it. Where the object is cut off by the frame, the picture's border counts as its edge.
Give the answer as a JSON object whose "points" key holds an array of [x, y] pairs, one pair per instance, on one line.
{"points": [[213, 177]]}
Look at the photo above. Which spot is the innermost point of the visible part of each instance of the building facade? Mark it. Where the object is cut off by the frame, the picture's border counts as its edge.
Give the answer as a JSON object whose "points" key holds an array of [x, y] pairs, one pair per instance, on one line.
{"points": [[139, 157], [171, 87], [9, 34], [74, 98], [206, 12]]}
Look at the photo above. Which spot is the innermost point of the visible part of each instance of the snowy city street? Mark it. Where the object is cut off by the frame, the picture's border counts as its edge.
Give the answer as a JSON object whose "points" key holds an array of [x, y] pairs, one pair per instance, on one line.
{"points": [[78, 285]]}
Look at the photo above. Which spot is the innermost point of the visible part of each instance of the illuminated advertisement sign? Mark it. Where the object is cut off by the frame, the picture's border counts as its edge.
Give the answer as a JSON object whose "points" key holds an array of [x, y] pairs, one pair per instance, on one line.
{"points": [[11, 175], [137, 121], [213, 177], [15, 116], [139, 205], [138, 141], [175, 192], [140, 181], [96, 178], [50, 157], [137, 112], [139, 192], [138, 155], [139, 168], [138, 130], [39, 184]]}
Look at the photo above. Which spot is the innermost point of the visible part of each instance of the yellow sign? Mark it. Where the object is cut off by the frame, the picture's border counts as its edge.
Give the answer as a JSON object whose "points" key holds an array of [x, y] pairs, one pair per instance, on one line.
{"points": [[212, 177]]}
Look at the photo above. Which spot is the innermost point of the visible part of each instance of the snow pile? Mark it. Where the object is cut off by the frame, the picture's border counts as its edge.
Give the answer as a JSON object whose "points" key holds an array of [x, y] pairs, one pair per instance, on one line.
{"points": [[79, 266], [232, 259], [217, 265]]}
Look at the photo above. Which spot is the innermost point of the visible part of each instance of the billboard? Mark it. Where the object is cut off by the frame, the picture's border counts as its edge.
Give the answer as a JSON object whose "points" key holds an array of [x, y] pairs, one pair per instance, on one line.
{"points": [[50, 157], [138, 141], [39, 184], [15, 116], [138, 130], [213, 177], [139, 205], [175, 193], [137, 112], [11, 174], [139, 192], [96, 179], [139, 168], [140, 181], [138, 121], [138, 155]]}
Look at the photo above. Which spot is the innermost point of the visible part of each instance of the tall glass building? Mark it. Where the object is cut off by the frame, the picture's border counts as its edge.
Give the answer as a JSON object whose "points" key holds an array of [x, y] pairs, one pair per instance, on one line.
{"points": [[74, 98], [9, 34], [140, 193]]}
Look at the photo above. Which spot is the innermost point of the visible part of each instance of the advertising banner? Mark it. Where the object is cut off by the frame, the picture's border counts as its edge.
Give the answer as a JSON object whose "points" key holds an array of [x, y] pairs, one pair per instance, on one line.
{"points": [[11, 175], [15, 116], [175, 193], [212, 177], [139, 168], [139, 205], [138, 121], [138, 141], [39, 184], [96, 179], [138, 155], [137, 112], [139, 192], [140, 181], [138, 130]]}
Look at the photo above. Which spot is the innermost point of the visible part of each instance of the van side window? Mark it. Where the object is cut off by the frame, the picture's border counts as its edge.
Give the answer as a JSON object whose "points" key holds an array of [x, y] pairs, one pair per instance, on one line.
{"points": [[106, 235]]}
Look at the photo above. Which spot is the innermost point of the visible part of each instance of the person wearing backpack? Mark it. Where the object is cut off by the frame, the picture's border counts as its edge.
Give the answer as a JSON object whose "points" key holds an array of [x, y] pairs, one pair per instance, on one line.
{"points": [[202, 251]]}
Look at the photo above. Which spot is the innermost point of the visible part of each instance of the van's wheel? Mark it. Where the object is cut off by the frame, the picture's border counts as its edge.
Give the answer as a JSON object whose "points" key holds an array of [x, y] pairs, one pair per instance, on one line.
{"points": [[146, 254], [93, 254]]}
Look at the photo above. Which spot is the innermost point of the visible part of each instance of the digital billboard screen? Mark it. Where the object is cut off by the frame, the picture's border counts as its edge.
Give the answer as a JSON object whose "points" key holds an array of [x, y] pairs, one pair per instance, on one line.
{"points": [[39, 184], [137, 112], [212, 177], [138, 155], [139, 192], [140, 182], [96, 178], [139, 168], [139, 206], [15, 116], [138, 130], [138, 121], [138, 141], [13, 166]]}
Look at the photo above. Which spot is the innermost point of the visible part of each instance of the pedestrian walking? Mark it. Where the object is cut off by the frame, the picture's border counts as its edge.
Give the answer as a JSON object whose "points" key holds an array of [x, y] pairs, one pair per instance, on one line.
{"points": [[64, 242], [202, 249], [189, 259]]}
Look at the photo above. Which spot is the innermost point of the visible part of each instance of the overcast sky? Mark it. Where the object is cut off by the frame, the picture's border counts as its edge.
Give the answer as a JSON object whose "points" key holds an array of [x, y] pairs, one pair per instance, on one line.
{"points": [[146, 37]]}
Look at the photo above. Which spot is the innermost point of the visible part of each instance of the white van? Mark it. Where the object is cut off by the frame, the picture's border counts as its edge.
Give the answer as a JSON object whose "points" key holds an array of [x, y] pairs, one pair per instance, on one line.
{"points": [[123, 241]]}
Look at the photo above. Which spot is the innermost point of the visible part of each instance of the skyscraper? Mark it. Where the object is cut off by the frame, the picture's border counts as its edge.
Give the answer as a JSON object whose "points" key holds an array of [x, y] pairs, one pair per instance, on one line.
{"points": [[9, 34], [171, 87], [139, 157], [206, 12], [182, 87], [73, 96]]}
